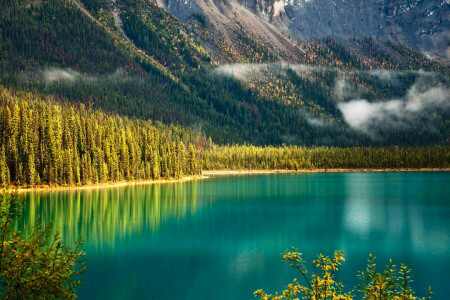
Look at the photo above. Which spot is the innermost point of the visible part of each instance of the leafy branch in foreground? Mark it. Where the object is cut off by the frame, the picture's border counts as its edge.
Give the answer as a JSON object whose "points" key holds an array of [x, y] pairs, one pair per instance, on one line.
{"points": [[33, 263], [390, 284]]}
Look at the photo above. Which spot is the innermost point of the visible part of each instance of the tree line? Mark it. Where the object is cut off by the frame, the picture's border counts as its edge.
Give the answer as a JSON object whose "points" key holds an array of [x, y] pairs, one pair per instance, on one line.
{"points": [[297, 158], [44, 142]]}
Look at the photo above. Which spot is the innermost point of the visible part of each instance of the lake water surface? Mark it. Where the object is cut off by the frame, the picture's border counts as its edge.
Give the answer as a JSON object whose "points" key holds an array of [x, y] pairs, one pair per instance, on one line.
{"points": [[221, 238]]}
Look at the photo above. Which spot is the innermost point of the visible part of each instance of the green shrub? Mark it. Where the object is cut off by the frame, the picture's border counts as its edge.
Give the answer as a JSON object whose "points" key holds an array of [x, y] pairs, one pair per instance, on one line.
{"points": [[33, 263]]}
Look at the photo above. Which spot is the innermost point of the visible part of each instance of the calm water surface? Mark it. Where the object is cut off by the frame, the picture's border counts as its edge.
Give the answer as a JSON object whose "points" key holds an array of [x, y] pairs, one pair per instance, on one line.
{"points": [[221, 238]]}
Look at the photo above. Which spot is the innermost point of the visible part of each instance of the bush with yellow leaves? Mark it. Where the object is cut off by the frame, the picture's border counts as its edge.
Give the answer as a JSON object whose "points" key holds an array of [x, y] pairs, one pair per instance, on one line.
{"points": [[390, 284]]}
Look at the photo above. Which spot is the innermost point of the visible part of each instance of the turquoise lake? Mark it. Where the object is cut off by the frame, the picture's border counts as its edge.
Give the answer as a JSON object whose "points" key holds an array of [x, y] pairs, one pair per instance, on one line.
{"points": [[221, 238]]}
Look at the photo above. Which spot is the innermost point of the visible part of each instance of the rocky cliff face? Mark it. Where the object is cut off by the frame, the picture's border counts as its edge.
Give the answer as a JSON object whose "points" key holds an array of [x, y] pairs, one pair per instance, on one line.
{"points": [[424, 24], [421, 24]]}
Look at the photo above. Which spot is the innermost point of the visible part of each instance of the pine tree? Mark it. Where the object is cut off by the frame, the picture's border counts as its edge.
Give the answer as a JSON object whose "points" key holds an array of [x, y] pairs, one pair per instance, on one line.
{"points": [[124, 158], [31, 171], [13, 151], [181, 153], [68, 168], [4, 170], [192, 166], [155, 165]]}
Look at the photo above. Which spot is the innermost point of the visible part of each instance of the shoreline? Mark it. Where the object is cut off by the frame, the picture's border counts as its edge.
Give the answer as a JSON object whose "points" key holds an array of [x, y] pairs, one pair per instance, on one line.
{"points": [[207, 174], [285, 171], [103, 185]]}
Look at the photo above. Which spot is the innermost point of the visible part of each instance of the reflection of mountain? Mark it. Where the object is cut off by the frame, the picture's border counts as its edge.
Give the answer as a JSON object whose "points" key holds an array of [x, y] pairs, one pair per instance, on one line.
{"points": [[102, 215]]}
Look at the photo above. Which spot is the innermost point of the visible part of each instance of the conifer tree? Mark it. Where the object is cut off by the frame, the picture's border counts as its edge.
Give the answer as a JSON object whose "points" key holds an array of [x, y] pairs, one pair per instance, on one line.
{"points": [[31, 171], [4, 170], [192, 168], [155, 165]]}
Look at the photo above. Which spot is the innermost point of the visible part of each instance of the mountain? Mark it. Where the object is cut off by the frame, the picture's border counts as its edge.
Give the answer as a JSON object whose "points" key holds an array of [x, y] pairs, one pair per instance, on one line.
{"points": [[238, 72], [423, 25]]}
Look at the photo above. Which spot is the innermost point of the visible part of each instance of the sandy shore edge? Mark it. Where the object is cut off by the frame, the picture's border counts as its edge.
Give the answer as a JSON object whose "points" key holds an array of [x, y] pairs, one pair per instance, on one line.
{"points": [[104, 185], [207, 174], [242, 172]]}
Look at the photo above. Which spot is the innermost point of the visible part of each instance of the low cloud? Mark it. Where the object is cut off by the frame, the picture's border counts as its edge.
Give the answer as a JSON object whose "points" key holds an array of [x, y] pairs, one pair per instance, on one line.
{"points": [[316, 122], [242, 71], [239, 70], [345, 91], [306, 69], [313, 120], [392, 76], [52, 75], [419, 102]]}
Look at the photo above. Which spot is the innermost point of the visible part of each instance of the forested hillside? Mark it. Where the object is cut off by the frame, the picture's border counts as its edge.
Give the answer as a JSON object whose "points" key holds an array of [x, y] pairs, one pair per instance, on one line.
{"points": [[134, 59], [45, 142]]}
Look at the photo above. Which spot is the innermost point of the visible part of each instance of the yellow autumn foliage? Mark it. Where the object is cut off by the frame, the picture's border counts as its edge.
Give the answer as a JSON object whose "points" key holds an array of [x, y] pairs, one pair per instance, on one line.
{"points": [[392, 284]]}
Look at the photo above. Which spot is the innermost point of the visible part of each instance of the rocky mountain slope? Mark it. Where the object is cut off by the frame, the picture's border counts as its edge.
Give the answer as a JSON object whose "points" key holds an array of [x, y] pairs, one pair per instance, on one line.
{"points": [[423, 25]]}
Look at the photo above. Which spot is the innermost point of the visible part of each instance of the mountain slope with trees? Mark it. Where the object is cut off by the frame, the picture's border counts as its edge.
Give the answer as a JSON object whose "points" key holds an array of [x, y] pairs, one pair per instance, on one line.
{"points": [[134, 59]]}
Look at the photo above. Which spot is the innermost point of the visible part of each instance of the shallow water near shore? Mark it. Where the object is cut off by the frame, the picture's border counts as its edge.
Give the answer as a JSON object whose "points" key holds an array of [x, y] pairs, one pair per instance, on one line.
{"points": [[221, 238]]}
